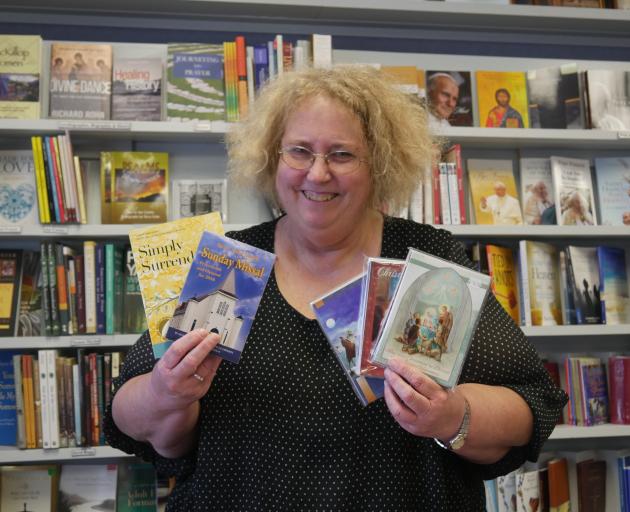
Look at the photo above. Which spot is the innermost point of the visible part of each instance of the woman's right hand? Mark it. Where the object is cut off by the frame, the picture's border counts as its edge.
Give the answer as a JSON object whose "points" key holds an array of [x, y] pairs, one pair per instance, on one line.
{"points": [[186, 370]]}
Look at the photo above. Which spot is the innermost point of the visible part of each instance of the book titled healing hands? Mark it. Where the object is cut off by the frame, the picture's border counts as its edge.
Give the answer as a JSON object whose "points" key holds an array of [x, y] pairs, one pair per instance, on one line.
{"points": [[222, 292]]}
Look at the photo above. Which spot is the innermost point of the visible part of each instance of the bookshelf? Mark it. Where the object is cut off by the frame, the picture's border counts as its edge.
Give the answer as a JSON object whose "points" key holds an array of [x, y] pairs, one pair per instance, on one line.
{"points": [[407, 26], [36, 456]]}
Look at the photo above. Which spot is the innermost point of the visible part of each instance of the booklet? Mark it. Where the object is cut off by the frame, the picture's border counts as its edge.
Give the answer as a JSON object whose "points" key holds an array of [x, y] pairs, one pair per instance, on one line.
{"points": [[432, 317], [222, 292], [338, 315]]}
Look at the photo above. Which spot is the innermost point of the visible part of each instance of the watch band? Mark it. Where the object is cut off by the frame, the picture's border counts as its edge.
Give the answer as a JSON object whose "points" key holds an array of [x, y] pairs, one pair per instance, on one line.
{"points": [[458, 440]]}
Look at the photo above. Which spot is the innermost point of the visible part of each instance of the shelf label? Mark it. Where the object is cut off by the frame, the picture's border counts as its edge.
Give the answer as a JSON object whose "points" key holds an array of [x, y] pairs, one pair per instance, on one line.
{"points": [[203, 127], [623, 135], [60, 230], [123, 126], [10, 229], [83, 452], [82, 342]]}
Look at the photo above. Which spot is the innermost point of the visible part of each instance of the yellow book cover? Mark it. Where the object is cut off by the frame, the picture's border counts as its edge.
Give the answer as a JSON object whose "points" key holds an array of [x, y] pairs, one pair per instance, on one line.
{"points": [[40, 180], [504, 280], [134, 187], [493, 192], [406, 78], [20, 63], [163, 255], [502, 99]]}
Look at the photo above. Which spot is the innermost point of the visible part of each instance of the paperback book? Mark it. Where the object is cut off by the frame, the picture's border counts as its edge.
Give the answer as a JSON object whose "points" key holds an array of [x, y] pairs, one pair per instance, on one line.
{"points": [[573, 190], [502, 270], [162, 256], [137, 488], [585, 285], [613, 285], [540, 282], [137, 89], [441, 301], [134, 187], [20, 62], [222, 292], [10, 281], [18, 190], [609, 99], [80, 81], [613, 187], [8, 407], [449, 96], [88, 487], [196, 197], [537, 191], [28, 488], [502, 99], [338, 316]]}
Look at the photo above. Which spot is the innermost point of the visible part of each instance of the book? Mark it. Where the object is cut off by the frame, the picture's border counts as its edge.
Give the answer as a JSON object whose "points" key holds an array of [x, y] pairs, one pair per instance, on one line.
{"points": [[613, 187], [591, 484], [593, 387], [493, 192], [527, 491], [8, 407], [163, 254], [445, 300], [613, 285], [80, 81], [137, 89], [558, 476], [619, 385], [137, 488], [585, 285], [134, 319], [449, 96], [222, 292], [20, 70], [29, 488], [573, 191], [539, 262], [10, 282], [554, 96], [194, 88], [30, 316], [609, 99], [453, 158], [18, 190], [506, 491], [337, 313], [502, 99], [134, 187], [502, 268], [88, 486], [196, 197], [537, 191]]}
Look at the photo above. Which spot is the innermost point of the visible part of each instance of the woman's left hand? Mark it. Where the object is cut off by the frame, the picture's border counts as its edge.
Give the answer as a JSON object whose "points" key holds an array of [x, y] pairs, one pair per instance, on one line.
{"points": [[419, 404]]}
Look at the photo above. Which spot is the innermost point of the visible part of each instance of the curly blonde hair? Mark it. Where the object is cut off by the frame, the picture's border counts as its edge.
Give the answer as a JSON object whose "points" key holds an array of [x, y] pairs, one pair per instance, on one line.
{"points": [[395, 127]]}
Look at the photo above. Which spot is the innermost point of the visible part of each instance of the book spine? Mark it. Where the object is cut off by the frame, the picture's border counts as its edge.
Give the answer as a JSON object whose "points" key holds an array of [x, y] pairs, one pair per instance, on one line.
{"points": [[444, 194], [416, 206], [602, 282], [45, 293], [52, 281], [62, 290], [80, 189], [119, 286], [50, 175], [241, 68], [80, 292], [87, 394], [69, 405], [453, 194], [38, 404], [81, 399], [66, 196], [278, 51], [109, 288], [77, 406], [56, 174], [459, 171], [19, 402], [38, 161], [72, 295], [68, 167], [89, 263], [271, 58], [437, 209], [100, 388], [249, 65], [29, 403], [43, 393], [524, 274], [94, 399], [100, 287], [61, 402], [53, 400]]}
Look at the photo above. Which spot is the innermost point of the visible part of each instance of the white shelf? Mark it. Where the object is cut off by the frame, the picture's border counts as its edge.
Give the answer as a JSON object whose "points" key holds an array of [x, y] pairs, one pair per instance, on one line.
{"points": [[526, 231], [11, 455], [577, 330], [597, 431], [82, 230], [84, 340]]}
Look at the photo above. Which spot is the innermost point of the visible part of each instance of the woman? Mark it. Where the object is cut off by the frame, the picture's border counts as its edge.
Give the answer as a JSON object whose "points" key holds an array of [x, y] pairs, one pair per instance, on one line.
{"points": [[283, 428]]}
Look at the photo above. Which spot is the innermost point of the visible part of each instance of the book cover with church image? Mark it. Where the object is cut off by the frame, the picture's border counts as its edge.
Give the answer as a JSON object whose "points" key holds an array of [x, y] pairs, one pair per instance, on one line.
{"points": [[432, 317], [222, 292]]}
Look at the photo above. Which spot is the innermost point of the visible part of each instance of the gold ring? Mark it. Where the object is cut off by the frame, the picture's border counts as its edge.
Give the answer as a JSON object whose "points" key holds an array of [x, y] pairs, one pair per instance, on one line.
{"points": [[198, 377]]}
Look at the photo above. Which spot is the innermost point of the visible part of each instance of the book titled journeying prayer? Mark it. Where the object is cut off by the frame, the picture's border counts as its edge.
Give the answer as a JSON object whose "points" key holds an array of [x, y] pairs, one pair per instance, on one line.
{"points": [[222, 292], [433, 316], [162, 255], [338, 315]]}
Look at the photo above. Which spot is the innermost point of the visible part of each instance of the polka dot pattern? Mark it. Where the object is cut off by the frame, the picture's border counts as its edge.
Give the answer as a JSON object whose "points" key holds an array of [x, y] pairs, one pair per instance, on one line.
{"points": [[283, 430]]}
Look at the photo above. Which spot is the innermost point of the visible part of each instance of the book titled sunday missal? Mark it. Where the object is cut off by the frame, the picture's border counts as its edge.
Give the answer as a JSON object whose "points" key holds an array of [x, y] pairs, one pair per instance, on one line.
{"points": [[222, 292], [433, 316], [163, 254]]}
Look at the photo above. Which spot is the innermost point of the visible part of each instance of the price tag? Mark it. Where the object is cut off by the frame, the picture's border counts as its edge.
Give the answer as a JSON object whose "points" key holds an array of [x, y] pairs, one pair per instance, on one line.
{"points": [[203, 127], [60, 230], [82, 342], [96, 125], [10, 229], [623, 135], [83, 452]]}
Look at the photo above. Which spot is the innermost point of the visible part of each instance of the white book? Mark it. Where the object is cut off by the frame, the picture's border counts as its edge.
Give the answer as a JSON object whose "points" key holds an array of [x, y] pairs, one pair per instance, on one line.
{"points": [[78, 407], [524, 275], [427, 192], [416, 204], [89, 265], [537, 191], [249, 62], [527, 491], [19, 402], [322, 50], [42, 359], [453, 194], [573, 191], [271, 57], [444, 195], [278, 47], [53, 402]]}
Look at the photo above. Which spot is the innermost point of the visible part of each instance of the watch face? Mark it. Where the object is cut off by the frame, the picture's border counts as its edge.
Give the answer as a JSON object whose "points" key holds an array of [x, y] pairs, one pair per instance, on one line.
{"points": [[458, 442]]}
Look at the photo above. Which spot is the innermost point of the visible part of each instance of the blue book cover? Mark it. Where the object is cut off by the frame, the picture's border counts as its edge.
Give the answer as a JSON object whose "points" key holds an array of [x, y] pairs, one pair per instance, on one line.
{"points": [[613, 285], [338, 315], [595, 393], [261, 65], [613, 187], [222, 292], [8, 412]]}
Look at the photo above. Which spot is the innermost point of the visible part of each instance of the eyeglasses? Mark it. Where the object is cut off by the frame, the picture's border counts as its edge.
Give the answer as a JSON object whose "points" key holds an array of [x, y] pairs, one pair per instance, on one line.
{"points": [[339, 161]]}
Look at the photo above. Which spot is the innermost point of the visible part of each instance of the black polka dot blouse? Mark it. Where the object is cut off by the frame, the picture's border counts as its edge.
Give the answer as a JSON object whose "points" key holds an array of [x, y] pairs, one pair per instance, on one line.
{"points": [[283, 430]]}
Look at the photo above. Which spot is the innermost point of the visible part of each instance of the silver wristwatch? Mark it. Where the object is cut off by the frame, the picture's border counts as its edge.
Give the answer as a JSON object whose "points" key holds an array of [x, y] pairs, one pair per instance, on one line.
{"points": [[457, 442]]}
